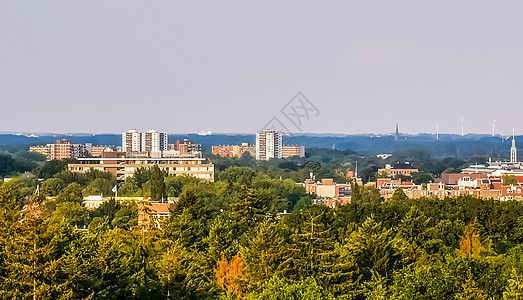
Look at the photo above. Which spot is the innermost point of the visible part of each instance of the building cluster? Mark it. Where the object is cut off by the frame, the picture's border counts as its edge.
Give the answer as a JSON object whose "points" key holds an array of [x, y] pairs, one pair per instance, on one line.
{"points": [[483, 187], [144, 150], [65, 149], [186, 148], [498, 180], [328, 192], [156, 144], [269, 145]]}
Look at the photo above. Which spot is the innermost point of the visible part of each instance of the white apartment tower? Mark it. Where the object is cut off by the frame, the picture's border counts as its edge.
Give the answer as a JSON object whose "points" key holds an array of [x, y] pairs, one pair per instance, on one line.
{"points": [[268, 144], [513, 149], [152, 140], [132, 141]]}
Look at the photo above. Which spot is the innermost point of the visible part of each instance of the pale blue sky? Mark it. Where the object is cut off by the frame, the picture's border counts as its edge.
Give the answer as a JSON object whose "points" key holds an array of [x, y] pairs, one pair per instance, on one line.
{"points": [[229, 66]]}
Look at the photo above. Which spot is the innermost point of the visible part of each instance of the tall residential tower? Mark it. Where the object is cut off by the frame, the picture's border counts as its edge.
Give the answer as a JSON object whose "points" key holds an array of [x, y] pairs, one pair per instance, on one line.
{"points": [[150, 141], [268, 144]]}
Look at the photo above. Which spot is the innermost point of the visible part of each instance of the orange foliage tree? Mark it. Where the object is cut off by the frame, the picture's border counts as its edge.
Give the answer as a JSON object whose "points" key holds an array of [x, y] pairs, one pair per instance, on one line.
{"points": [[471, 243], [230, 275]]}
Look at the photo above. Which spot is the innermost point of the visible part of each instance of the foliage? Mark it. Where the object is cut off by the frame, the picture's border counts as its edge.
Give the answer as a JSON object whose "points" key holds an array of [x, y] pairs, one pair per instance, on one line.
{"points": [[229, 239]]}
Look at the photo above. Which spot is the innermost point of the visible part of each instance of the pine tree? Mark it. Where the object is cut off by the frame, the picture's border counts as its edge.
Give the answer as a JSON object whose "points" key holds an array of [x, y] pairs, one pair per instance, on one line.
{"points": [[310, 245], [246, 209], [157, 182], [264, 255], [471, 291], [355, 193], [399, 195], [514, 289]]}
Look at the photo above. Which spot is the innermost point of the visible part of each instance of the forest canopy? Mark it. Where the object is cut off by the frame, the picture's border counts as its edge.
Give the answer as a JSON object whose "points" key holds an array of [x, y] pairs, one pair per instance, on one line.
{"points": [[229, 240]]}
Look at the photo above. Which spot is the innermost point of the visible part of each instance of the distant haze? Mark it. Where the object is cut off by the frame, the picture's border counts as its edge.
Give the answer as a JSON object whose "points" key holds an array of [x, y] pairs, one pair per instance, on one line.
{"points": [[230, 66]]}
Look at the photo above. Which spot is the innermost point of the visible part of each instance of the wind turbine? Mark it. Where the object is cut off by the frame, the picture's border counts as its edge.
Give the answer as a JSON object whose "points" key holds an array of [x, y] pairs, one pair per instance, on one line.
{"points": [[437, 130]]}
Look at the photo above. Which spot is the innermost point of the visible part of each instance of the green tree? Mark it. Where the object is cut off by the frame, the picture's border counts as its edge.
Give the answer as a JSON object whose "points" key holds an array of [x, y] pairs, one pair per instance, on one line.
{"points": [[52, 187], [141, 176], [129, 188], [71, 193], [514, 289], [237, 175], [50, 168], [510, 179], [126, 217], [100, 186], [264, 254], [222, 238], [157, 182], [284, 289], [246, 209], [399, 195], [372, 249]]}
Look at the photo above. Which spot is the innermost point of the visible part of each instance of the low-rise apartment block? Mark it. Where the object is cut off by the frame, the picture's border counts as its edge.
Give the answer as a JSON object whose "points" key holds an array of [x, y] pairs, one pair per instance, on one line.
{"points": [[44, 150], [398, 169], [328, 192], [123, 165], [292, 150], [186, 148], [60, 149], [234, 150], [222, 150]]}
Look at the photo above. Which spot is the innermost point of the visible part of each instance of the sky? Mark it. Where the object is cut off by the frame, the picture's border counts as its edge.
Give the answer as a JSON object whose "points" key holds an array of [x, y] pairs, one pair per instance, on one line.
{"points": [[235, 66]]}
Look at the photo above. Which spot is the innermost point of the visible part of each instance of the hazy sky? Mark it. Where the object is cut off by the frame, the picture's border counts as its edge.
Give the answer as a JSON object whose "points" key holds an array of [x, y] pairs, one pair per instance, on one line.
{"points": [[230, 66]]}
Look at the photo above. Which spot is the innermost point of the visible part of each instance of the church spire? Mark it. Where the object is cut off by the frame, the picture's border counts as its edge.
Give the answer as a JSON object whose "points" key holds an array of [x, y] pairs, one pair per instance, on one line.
{"points": [[397, 133], [513, 149]]}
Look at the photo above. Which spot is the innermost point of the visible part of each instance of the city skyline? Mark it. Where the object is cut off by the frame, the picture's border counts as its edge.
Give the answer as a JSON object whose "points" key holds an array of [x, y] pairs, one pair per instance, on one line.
{"points": [[364, 66]]}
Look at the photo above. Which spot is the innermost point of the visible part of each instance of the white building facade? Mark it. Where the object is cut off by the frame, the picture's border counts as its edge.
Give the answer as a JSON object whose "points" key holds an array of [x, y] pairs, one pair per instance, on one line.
{"points": [[268, 144], [150, 141]]}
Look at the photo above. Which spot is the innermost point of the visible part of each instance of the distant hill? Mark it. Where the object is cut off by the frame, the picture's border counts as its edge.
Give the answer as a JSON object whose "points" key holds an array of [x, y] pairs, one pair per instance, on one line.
{"points": [[447, 145]]}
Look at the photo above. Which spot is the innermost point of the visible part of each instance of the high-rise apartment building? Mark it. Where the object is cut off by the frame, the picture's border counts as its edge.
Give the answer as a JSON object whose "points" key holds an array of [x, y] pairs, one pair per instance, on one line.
{"points": [[132, 141], [59, 150], [268, 144], [150, 141], [153, 141]]}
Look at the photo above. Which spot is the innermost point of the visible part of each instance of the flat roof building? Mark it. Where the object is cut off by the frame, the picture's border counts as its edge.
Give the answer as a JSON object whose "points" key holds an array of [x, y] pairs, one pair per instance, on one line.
{"points": [[123, 166], [234, 150], [405, 169], [290, 151]]}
